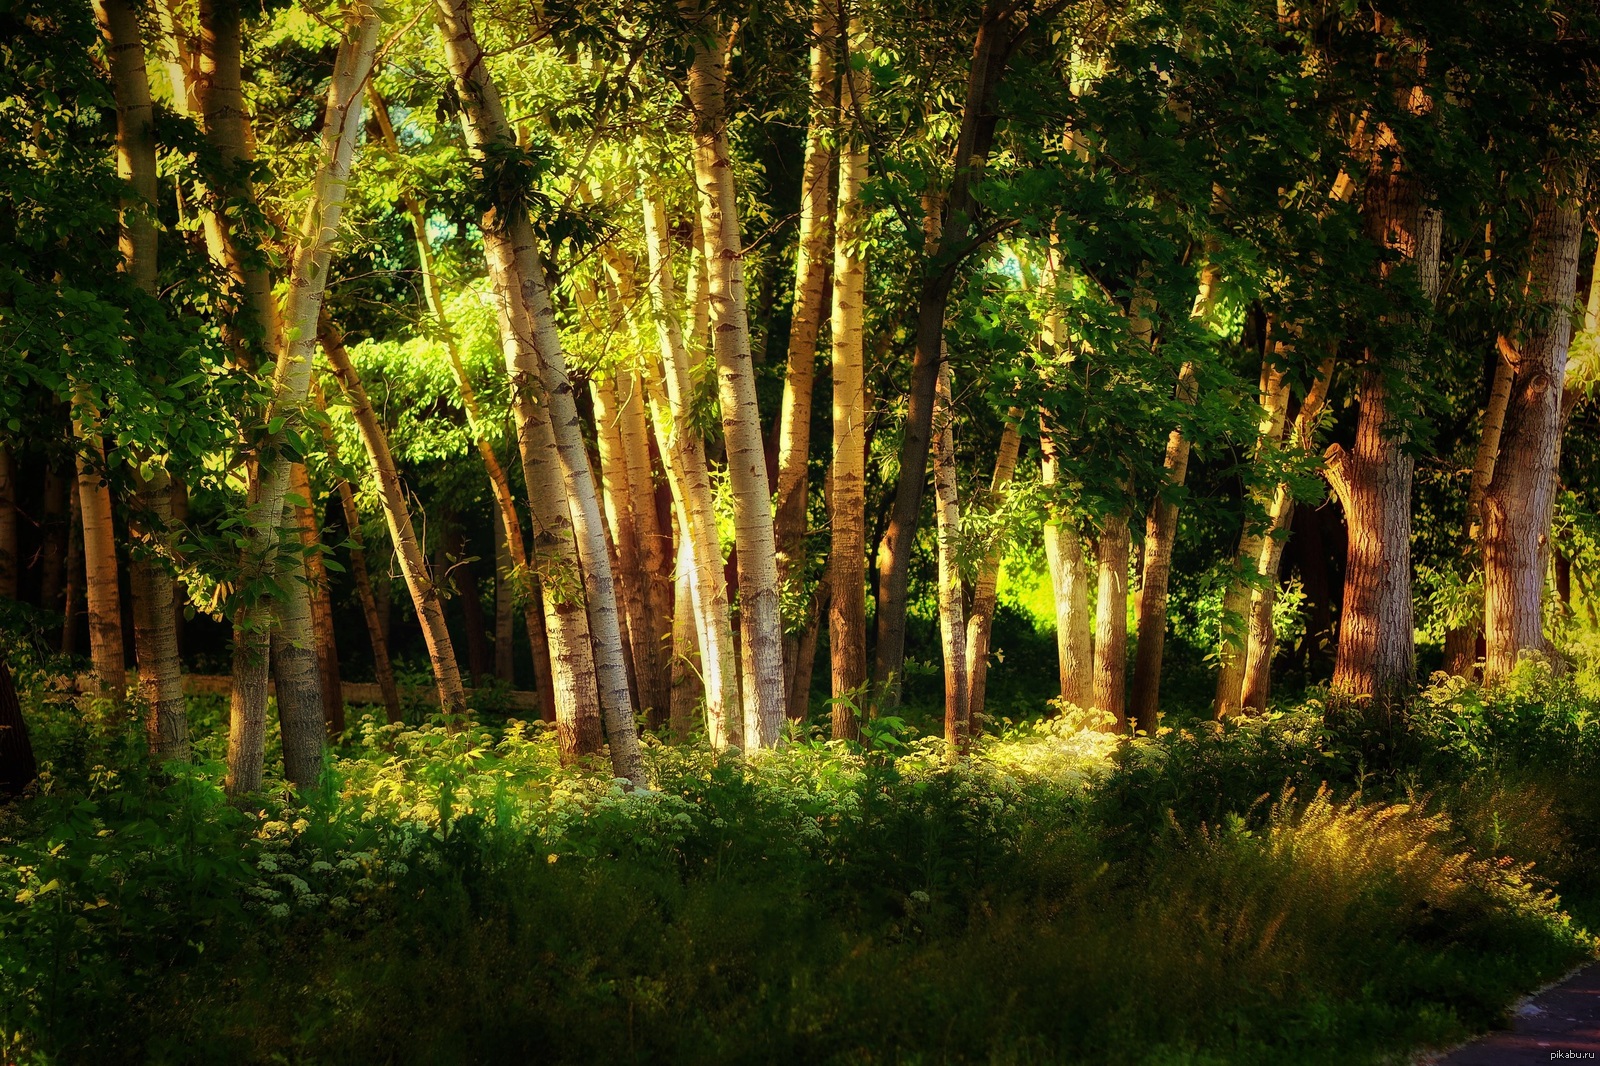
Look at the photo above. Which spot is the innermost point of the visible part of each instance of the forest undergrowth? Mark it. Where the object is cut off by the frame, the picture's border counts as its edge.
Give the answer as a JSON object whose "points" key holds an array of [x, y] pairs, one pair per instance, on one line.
{"points": [[1313, 886]]}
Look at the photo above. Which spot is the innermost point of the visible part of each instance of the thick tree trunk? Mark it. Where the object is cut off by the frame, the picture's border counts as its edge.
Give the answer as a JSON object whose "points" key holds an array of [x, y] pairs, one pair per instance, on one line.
{"points": [[1069, 585], [981, 620], [321, 604], [1518, 504], [377, 630], [408, 551], [1373, 481], [291, 385], [1461, 642], [296, 675], [672, 403], [1111, 622], [991, 49], [560, 484], [810, 297], [952, 620], [760, 624], [847, 608]]}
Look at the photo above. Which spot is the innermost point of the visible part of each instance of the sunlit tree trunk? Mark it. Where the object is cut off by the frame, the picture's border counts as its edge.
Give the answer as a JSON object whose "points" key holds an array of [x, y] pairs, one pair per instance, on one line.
{"points": [[991, 48], [561, 486], [687, 690], [1111, 621], [1069, 585], [1518, 504], [952, 620], [671, 400], [1274, 401], [290, 387], [618, 496], [847, 609], [981, 619], [1373, 480], [296, 676], [408, 550], [1256, 684], [760, 625], [810, 297]]}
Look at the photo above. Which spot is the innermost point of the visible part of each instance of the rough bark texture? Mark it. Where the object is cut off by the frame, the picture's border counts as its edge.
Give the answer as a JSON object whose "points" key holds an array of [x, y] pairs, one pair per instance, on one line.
{"points": [[291, 385], [408, 550], [671, 400], [991, 48], [1111, 622], [810, 298], [561, 487], [981, 618], [760, 623], [952, 620], [324, 639], [1517, 505], [297, 679], [1376, 655], [1069, 585], [847, 608]]}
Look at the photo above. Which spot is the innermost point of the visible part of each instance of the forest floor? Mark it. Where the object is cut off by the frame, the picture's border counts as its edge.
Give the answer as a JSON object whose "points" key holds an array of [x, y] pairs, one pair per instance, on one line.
{"points": [[1316, 886]]}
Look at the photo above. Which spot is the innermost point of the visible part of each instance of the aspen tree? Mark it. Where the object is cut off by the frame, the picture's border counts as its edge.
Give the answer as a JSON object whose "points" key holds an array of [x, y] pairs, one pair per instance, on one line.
{"points": [[760, 625], [952, 621], [981, 618]]}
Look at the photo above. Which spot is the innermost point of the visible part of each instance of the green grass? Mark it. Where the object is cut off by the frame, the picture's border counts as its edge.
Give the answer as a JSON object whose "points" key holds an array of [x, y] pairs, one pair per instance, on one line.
{"points": [[1316, 887]]}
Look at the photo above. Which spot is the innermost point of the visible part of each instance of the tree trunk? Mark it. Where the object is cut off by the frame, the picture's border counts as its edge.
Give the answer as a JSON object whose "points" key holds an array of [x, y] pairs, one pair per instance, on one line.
{"points": [[290, 387], [687, 690], [672, 400], [1069, 585], [555, 460], [1235, 636], [1373, 481], [653, 549], [99, 555], [504, 603], [1256, 684], [981, 620], [1111, 622], [810, 281], [54, 534], [952, 623], [321, 604], [155, 631], [991, 49], [1461, 642], [1518, 504], [76, 566], [760, 624], [296, 675], [847, 608], [377, 631], [408, 551]]}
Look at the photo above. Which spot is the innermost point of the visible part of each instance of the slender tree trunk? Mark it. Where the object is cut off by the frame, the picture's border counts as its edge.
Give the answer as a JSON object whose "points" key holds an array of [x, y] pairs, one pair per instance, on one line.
{"points": [[1256, 684], [1274, 400], [291, 385], [760, 624], [377, 631], [618, 496], [504, 603], [99, 556], [321, 604], [981, 620], [1069, 584], [952, 623], [555, 460], [672, 399], [155, 633], [8, 525], [1111, 622], [1373, 481], [76, 565], [687, 690], [296, 675], [413, 563], [653, 549], [991, 49], [1518, 504], [810, 295], [847, 609], [1461, 642], [54, 534]]}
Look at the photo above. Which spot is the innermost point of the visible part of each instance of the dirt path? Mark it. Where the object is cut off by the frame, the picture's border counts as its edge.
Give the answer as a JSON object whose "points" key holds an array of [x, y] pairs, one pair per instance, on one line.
{"points": [[1560, 1024]]}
